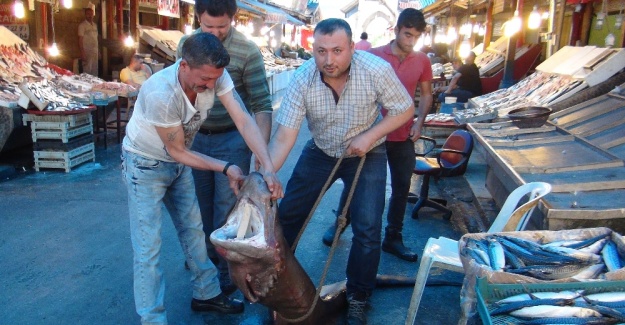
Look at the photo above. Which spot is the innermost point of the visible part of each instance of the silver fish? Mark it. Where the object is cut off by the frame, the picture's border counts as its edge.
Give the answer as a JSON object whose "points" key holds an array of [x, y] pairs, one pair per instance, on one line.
{"points": [[551, 272], [596, 247], [591, 272], [610, 256], [554, 311], [496, 255], [582, 256], [570, 321], [566, 294]]}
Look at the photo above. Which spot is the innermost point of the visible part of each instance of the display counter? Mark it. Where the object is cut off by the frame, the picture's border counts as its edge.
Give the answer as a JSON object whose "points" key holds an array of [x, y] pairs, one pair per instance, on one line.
{"points": [[567, 72], [580, 151]]}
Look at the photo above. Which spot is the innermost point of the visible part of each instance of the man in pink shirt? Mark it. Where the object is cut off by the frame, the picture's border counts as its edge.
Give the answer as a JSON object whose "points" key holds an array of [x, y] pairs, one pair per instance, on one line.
{"points": [[413, 69], [363, 44]]}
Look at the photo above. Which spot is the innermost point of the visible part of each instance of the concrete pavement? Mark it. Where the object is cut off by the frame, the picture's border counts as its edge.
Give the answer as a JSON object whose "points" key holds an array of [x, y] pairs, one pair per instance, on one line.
{"points": [[66, 256]]}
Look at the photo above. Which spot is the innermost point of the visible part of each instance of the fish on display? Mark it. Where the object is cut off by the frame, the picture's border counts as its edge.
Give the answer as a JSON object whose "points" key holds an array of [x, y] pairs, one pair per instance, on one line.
{"points": [[578, 259], [512, 306], [554, 272], [569, 321], [496, 255], [262, 265], [610, 256], [543, 311], [566, 294]]}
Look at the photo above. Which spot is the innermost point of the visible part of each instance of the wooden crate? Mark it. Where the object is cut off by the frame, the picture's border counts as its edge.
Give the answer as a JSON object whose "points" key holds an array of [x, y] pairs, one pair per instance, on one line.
{"points": [[64, 159]]}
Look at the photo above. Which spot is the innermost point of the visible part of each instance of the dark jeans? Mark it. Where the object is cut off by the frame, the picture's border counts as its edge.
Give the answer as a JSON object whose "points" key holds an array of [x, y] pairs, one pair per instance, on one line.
{"points": [[401, 161], [214, 195], [461, 95], [309, 175]]}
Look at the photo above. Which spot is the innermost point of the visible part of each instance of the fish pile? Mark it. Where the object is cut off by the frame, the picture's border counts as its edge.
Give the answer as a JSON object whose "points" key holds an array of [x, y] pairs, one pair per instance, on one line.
{"points": [[19, 61], [50, 96], [563, 307], [114, 88], [9, 92], [578, 259]]}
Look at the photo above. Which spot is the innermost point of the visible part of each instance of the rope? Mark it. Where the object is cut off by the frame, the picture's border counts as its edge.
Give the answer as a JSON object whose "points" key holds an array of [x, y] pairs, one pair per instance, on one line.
{"points": [[342, 221]]}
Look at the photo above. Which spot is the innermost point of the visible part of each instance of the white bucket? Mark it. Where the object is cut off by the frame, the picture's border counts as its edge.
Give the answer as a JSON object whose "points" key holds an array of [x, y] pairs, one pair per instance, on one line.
{"points": [[450, 100]]}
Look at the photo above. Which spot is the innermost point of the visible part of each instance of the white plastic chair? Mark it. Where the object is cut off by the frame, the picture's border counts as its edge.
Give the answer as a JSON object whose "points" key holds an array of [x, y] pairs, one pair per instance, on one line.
{"points": [[443, 252]]}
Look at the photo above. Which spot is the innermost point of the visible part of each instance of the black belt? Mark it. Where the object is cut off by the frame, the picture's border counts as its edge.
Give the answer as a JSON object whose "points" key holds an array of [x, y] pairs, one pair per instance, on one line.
{"points": [[208, 132]]}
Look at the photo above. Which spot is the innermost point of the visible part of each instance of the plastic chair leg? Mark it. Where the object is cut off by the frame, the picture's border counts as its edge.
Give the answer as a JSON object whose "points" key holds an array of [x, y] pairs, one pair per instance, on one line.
{"points": [[420, 282]]}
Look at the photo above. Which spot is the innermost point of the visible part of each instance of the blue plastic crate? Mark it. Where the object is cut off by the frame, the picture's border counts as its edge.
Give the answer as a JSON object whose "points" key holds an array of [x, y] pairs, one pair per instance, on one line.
{"points": [[488, 293]]}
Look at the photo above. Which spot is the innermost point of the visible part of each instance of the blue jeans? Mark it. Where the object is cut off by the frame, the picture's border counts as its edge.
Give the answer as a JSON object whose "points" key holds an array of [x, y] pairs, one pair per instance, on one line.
{"points": [[214, 194], [461, 95], [311, 172], [152, 184], [401, 161]]}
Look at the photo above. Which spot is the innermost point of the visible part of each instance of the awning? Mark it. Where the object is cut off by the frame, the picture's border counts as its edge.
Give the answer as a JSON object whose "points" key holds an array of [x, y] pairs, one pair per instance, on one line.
{"points": [[272, 14], [246, 7]]}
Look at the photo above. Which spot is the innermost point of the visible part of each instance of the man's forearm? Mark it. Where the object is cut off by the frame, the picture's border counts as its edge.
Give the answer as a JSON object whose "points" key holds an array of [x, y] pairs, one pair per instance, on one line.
{"points": [[264, 120]]}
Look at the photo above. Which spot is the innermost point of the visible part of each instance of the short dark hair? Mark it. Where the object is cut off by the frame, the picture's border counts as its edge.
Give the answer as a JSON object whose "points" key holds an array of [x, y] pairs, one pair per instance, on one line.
{"points": [[364, 35], [216, 8], [331, 25], [204, 48], [411, 18]]}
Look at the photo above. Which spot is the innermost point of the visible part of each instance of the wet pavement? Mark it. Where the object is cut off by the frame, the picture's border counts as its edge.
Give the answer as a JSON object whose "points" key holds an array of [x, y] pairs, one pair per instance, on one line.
{"points": [[66, 256]]}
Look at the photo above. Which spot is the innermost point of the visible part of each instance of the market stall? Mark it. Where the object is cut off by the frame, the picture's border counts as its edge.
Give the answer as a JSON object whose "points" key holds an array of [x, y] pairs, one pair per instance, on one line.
{"points": [[564, 74], [580, 150], [55, 103]]}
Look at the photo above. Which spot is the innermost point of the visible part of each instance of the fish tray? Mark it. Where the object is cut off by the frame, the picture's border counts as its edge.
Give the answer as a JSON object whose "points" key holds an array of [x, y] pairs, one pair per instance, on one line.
{"points": [[64, 159], [71, 120], [62, 133], [488, 293], [486, 116], [57, 145]]}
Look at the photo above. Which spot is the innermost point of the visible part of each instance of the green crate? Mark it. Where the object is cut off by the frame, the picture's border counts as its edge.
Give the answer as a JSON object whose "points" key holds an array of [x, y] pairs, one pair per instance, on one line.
{"points": [[488, 293]]}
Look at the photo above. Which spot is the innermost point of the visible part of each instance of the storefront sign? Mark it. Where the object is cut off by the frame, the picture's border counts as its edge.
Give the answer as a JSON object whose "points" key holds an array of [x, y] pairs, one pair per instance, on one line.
{"points": [[169, 8], [148, 3], [416, 4], [498, 6], [275, 18], [19, 27]]}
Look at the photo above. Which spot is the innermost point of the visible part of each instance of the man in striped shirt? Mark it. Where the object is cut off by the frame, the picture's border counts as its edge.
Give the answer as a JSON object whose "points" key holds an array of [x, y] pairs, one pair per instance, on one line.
{"points": [[340, 93], [218, 137]]}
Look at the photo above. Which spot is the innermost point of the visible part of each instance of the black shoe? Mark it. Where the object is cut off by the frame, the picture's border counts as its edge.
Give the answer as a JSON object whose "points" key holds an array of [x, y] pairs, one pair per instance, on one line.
{"points": [[226, 285], [393, 244], [357, 304], [221, 303]]}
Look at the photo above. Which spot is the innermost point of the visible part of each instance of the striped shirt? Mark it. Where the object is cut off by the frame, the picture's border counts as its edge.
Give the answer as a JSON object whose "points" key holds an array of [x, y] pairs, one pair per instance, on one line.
{"points": [[247, 70], [372, 83]]}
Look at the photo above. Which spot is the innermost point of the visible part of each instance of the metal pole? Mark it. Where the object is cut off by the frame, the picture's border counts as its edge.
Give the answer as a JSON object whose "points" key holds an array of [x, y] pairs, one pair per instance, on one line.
{"points": [[508, 72]]}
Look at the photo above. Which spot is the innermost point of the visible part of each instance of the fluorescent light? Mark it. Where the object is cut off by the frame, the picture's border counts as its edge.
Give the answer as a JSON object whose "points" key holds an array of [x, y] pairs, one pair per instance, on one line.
{"points": [[513, 25], [18, 9], [534, 20], [53, 50], [128, 41]]}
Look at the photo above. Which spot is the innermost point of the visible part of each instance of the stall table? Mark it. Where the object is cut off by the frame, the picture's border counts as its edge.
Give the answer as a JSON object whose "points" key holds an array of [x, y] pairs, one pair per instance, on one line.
{"points": [[580, 151]]}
